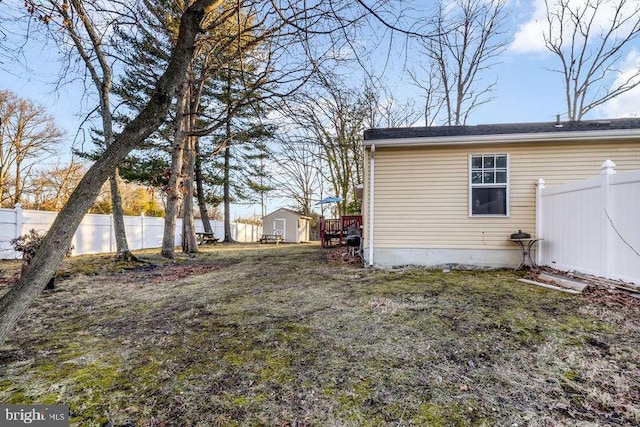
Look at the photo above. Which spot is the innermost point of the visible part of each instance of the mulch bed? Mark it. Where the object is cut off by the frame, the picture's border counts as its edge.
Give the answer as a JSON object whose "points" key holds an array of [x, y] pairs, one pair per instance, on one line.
{"points": [[340, 254], [614, 298]]}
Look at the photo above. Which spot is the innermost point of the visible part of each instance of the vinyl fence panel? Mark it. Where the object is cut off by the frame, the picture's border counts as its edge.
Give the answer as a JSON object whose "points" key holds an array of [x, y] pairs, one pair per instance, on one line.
{"points": [[624, 223], [95, 233], [592, 226]]}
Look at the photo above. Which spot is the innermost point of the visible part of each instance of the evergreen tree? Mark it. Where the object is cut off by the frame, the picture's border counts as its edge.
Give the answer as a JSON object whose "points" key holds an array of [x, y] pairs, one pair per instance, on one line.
{"points": [[222, 95]]}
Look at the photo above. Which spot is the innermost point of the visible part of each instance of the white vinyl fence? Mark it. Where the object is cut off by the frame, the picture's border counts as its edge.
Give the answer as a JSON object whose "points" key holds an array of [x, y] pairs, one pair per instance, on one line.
{"points": [[592, 226], [95, 233]]}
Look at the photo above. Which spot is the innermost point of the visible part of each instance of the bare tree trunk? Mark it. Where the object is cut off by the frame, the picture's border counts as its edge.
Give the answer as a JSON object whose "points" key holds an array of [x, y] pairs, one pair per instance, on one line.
{"points": [[18, 194], [122, 246], [53, 248], [174, 188], [263, 204], [189, 244], [202, 202], [227, 191], [103, 85]]}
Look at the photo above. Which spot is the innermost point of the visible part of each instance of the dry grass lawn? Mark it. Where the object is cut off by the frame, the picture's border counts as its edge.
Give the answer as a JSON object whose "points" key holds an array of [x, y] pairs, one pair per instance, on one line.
{"points": [[276, 335]]}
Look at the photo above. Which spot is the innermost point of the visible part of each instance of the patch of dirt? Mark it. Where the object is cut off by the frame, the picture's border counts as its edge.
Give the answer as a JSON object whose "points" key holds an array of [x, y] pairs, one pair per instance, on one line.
{"points": [[154, 273]]}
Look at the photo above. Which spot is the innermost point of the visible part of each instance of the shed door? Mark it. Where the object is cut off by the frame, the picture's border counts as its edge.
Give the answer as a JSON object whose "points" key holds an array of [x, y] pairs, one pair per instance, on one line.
{"points": [[303, 230], [279, 227]]}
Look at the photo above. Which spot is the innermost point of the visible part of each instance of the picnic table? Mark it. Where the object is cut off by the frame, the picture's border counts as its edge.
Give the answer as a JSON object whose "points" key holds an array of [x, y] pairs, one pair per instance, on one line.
{"points": [[203, 238], [271, 238]]}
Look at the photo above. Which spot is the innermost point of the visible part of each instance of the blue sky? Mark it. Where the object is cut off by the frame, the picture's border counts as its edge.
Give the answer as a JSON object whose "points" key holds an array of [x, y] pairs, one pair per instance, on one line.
{"points": [[542, 89], [526, 90]]}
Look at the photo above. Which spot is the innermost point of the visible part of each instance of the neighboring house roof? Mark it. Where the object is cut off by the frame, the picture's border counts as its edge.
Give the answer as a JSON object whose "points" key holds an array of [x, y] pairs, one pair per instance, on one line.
{"points": [[509, 133], [288, 210]]}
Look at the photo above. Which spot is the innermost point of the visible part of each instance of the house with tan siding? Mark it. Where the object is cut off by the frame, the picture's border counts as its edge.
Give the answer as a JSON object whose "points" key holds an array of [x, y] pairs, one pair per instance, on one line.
{"points": [[453, 195]]}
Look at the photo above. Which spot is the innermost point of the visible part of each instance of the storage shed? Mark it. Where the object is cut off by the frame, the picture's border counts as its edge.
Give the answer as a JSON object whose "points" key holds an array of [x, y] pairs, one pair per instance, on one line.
{"points": [[291, 226]]}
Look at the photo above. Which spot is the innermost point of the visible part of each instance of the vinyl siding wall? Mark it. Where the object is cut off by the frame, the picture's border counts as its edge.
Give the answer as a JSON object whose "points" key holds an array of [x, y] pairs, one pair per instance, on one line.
{"points": [[421, 197]]}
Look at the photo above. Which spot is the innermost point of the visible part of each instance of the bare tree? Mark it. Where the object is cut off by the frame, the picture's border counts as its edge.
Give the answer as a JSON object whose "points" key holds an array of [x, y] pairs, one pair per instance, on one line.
{"points": [[431, 85], [58, 238], [297, 171], [27, 134], [383, 110], [333, 117], [468, 38], [87, 24], [9, 52], [50, 188], [321, 142], [589, 39], [302, 21]]}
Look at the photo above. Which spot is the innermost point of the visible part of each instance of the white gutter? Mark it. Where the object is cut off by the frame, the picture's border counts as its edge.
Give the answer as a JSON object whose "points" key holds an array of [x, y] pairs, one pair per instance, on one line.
{"points": [[577, 136], [371, 189]]}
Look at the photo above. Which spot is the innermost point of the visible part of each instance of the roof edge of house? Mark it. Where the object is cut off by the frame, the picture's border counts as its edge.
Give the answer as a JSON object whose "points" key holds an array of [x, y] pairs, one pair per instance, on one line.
{"points": [[513, 138]]}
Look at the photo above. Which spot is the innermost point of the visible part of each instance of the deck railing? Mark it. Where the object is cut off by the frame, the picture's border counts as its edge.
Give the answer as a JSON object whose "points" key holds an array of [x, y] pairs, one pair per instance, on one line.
{"points": [[334, 230]]}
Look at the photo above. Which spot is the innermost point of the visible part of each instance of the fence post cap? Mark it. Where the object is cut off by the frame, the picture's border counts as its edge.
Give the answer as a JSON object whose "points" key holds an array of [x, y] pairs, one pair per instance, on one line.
{"points": [[607, 168], [17, 206], [541, 183]]}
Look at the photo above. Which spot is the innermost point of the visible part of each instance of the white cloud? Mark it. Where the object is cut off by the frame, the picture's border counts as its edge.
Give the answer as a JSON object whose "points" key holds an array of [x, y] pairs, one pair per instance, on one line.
{"points": [[627, 104], [529, 36]]}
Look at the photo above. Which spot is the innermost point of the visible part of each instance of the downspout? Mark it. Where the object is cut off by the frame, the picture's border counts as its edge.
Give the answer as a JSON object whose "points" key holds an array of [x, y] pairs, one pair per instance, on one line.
{"points": [[371, 189]]}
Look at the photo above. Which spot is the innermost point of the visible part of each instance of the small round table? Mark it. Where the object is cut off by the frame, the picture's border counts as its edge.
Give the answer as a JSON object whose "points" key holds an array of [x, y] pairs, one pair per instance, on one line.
{"points": [[525, 246]]}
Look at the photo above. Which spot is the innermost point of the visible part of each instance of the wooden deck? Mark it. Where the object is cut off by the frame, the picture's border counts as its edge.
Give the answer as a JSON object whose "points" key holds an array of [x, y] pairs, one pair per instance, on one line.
{"points": [[333, 232]]}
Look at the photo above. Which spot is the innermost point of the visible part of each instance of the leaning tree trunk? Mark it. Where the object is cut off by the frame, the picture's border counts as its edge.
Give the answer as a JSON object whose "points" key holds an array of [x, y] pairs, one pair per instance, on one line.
{"points": [[50, 254]]}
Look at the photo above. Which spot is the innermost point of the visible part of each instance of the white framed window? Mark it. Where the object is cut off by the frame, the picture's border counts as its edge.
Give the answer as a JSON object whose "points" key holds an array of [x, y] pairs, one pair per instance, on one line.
{"points": [[489, 185]]}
